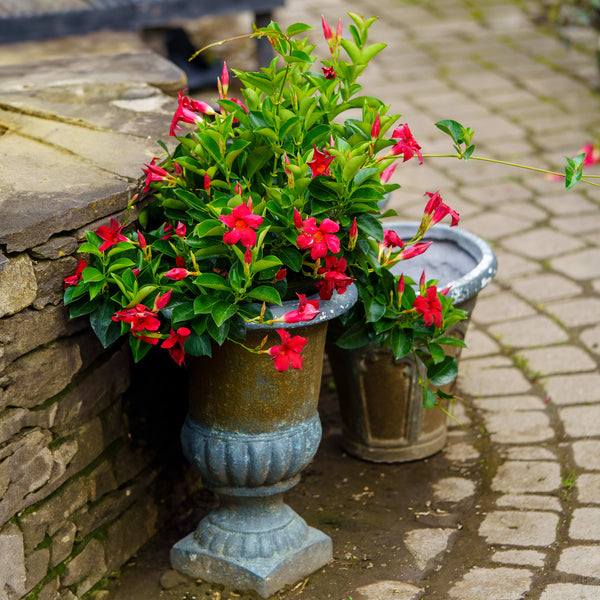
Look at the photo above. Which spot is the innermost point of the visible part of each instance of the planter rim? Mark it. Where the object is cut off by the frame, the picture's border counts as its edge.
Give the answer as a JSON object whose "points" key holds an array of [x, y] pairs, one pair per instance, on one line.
{"points": [[473, 281], [330, 309]]}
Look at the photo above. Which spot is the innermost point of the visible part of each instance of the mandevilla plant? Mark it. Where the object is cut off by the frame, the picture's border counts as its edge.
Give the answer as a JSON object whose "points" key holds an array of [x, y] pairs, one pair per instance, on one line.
{"points": [[268, 198]]}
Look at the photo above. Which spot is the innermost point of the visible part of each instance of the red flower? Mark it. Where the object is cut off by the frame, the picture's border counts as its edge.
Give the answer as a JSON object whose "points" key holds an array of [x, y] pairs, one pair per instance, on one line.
{"points": [[189, 111], [176, 274], [319, 165], [154, 173], [407, 144], [307, 310], [334, 277], [77, 277], [180, 229], [111, 235], [179, 261], [387, 173], [161, 301], [430, 307], [281, 274], [243, 224], [376, 128], [435, 211], [413, 250], [287, 354], [329, 73], [319, 239], [207, 182], [174, 344], [167, 231], [141, 319], [391, 239], [592, 154]]}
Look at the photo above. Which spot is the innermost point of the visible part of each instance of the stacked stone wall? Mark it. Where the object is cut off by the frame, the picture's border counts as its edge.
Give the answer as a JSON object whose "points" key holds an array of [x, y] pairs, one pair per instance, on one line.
{"points": [[83, 465]]}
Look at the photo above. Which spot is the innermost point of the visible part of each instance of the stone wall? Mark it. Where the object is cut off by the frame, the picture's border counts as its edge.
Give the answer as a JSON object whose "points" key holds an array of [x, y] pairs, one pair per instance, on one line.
{"points": [[85, 477]]}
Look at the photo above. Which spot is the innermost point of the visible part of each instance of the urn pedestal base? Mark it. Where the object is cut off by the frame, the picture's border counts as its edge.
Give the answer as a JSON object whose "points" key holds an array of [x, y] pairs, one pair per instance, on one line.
{"points": [[265, 576]]}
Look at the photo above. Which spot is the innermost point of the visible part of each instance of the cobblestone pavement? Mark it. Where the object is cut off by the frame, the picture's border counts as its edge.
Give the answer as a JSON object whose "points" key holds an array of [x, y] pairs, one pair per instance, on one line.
{"points": [[512, 507]]}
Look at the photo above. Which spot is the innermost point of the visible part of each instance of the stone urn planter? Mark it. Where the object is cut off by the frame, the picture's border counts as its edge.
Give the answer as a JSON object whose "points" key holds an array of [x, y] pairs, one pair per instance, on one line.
{"points": [[380, 400], [250, 431]]}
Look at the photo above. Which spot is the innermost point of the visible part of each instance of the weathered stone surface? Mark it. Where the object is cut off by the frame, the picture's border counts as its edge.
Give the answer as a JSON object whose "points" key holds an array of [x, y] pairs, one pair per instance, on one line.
{"points": [[56, 247], [585, 524], [587, 454], [391, 590], [427, 544], [453, 489], [516, 528], [520, 557], [50, 516], [62, 543], [509, 404], [570, 591], [171, 579], [12, 562], [505, 583], [529, 332], [580, 560], [13, 420], [573, 389], [27, 466], [529, 502], [527, 476], [588, 488], [581, 421], [461, 452], [519, 427], [529, 453], [50, 590], [29, 329], [39, 375], [50, 275], [125, 536], [18, 287], [102, 480], [95, 392], [85, 569], [36, 566]]}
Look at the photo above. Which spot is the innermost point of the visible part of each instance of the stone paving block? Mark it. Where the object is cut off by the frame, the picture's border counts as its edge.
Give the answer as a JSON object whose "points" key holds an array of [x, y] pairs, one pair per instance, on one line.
{"points": [[461, 452], [585, 524], [542, 243], [494, 226], [500, 307], [576, 312], [497, 194], [587, 454], [573, 389], [557, 359], [591, 338], [529, 332], [509, 404], [581, 265], [588, 488], [478, 343], [453, 489], [529, 453], [524, 558], [501, 583], [580, 560], [524, 210], [492, 382], [427, 543], [570, 591], [529, 502], [390, 590], [545, 287], [512, 265], [581, 421], [518, 528], [516, 477], [567, 203], [522, 427], [578, 224], [18, 287]]}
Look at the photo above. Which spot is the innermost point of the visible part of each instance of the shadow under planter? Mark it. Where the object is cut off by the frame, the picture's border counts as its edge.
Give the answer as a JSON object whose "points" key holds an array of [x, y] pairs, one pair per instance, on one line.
{"points": [[250, 431], [380, 399]]}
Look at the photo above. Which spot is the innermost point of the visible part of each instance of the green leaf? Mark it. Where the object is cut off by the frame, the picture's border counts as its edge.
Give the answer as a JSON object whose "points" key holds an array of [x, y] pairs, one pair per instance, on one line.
{"points": [[203, 304], [297, 28], [212, 281], [453, 128], [356, 336], [371, 226], [450, 341], [182, 313], [198, 345], [90, 249], [210, 145], [291, 258], [90, 274], [401, 341], [428, 398], [265, 263], [574, 170], [373, 310], [437, 353], [189, 198], [352, 167], [106, 330], [139, 349], [265, 293], [223, 311], [370, 51], [444, 372]]}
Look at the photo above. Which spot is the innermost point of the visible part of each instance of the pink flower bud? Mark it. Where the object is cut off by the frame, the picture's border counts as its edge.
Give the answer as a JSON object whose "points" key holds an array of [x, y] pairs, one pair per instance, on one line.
{"points": [[141, 240], [401, 285], [238, 189], [326, 29], [248, 256], [176, 274], [376, 128], [207, 182], [161, 301], [297, 219]]}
